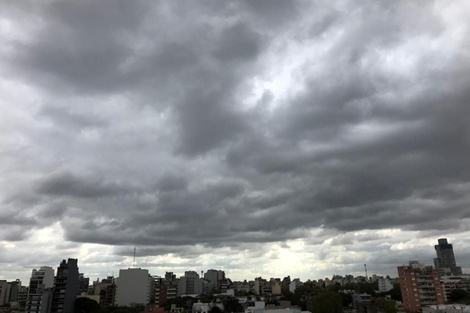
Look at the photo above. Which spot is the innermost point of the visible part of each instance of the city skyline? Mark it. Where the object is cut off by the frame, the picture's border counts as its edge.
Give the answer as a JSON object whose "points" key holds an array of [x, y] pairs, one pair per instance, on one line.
{"points": [[266, 138], [136, 265]]}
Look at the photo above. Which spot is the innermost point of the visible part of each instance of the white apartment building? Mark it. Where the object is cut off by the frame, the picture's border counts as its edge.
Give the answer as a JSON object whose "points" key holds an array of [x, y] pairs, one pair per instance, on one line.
{"points": [[40, 290], [133, 286], [384, 285]]}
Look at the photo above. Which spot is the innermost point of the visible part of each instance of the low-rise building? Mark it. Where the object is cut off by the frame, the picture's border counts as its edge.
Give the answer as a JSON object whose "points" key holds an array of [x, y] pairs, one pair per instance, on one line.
{"points": [[446, 308]]}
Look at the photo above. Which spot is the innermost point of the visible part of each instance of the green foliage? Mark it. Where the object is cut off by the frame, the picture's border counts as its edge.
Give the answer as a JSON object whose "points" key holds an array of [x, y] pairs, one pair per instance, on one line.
{"points": [[85, 305], [133, 308], [302, 294], [232, 305], [206, 298], [347, 299], [215, 309], [385, 305], [459, 296], [395, 293], [181, 302], [327, 302]]}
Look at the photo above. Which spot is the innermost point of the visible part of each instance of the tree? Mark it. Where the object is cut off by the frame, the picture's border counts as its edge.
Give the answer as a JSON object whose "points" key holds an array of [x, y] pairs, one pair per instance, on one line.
{"points": [[395, 293], [347, 299], [327, 302], [85, 305], [458, 296], [215, 309], [386, 306], [232, 305]]}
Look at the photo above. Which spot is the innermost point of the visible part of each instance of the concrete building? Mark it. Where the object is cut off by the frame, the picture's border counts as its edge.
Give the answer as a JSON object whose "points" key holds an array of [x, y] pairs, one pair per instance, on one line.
{"points": [[362, 302], [420, 286], [276, 288], [450, 283], [22, 297], [259, 286], [106, 289], [447, 308], [65, 289], [258, 307], [214, 276], [283, 307], [294, 284], [83, 283], [384, 284], [445, 260], [39, 296], [4, 292], [201, 307], [133, 287], [14, 289], [189, 284], [207, 287], [285, 283]]}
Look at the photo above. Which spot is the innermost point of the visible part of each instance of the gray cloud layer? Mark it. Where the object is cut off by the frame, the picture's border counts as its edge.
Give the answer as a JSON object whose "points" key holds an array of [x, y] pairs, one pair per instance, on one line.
{"points": [[225, 123]]}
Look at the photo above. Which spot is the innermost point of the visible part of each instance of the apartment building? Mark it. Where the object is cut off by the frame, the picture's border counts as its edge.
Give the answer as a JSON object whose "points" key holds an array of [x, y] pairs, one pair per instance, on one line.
{"points": [[420, 286]]}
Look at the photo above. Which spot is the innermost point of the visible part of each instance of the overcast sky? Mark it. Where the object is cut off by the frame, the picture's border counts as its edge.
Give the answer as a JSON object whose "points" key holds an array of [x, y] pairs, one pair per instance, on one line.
{"points": [[270, 138]]}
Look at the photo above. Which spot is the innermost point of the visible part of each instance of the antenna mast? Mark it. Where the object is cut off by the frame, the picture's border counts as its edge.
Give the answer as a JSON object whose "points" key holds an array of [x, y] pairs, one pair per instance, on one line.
{"points": [[133, 263], [365, 268]]}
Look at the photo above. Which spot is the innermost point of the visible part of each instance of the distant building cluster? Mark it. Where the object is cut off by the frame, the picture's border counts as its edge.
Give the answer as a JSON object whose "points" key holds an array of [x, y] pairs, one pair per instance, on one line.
{"points": [[423, 289], [427, 288]]}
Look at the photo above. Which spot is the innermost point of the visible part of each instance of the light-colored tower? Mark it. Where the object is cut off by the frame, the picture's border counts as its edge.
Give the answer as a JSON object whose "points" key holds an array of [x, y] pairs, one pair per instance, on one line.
{"points": [[40, 290], [133, 286]]}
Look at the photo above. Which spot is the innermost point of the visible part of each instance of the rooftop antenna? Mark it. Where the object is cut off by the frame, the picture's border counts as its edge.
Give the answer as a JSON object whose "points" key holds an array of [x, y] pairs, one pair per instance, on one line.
{"points": [[365, 268], [133, 263]]}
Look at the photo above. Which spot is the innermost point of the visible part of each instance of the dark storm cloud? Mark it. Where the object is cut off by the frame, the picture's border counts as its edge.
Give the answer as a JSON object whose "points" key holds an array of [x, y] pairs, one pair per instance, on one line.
{"points": [[158, 124], [67, 184], [80, 46]]}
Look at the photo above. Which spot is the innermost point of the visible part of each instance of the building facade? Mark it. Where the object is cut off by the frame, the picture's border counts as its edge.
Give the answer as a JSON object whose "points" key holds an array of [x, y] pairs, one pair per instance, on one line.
{"points": [[384, 284], [420, 286], [133, 287], [215, 276], [190, 283], [4, 292], [445, 260], [39, 296], [65, 289]]}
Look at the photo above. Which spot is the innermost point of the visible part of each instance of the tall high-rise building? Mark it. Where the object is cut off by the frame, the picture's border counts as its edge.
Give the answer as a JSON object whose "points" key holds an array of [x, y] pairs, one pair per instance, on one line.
{"points": [[65, 289], [420, 285], [40, 290], [445, 260], [133, 286]]}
